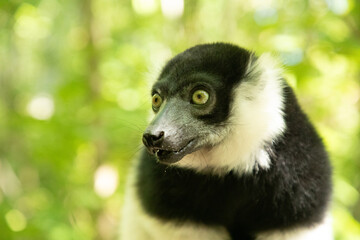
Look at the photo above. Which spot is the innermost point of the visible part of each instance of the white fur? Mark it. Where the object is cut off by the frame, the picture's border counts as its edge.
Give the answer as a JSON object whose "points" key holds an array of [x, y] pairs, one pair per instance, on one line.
{"points": [[257, 120], [322, 231], [137, 225]]}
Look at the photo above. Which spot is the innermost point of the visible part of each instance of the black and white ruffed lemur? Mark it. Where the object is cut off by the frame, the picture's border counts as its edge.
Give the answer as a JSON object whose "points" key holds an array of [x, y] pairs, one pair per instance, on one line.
{"points": [[229, 155]]}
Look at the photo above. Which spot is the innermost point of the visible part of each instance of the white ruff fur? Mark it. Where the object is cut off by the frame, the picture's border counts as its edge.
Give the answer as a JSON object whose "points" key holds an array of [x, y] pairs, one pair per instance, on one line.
{"points": [[256, 120], [322, 231]]}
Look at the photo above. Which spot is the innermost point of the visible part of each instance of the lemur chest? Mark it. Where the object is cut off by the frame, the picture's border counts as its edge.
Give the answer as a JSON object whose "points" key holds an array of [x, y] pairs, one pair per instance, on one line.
{"points": [[177, 194]]}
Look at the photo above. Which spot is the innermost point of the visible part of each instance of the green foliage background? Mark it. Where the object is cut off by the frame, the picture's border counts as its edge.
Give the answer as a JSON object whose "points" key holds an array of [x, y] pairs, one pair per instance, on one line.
{"points": [[93, 62]]}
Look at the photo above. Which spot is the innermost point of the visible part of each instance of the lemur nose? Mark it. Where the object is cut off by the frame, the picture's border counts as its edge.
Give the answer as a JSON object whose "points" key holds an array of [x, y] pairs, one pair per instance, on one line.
{"points": [[153, 140]]}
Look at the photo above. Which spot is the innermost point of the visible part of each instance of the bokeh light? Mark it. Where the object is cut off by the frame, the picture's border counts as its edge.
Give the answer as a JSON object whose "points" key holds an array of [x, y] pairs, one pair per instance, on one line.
{"points": [[172, 9], [15, 220], [41, 107], [105, 181]]}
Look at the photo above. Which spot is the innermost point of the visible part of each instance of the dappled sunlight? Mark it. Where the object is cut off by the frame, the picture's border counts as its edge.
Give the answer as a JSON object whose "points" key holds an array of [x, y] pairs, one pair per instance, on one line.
{"points": [[30, 24], [41, 107], [144, 7], [15, 220], [172, 9], [105, 181], [339, 7]]}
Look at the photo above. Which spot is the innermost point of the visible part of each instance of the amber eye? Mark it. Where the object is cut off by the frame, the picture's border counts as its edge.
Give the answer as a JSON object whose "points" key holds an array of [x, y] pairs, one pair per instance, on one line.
{"points": [[156, 101], [200, 97]]}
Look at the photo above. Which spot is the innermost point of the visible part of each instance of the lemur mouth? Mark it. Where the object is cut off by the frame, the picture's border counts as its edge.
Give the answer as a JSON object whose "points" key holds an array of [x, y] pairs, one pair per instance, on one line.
{"points": [[173, 156]]}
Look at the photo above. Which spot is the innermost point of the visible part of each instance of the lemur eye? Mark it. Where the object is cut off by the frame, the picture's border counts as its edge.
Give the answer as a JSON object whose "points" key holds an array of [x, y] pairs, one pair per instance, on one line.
{"points": [[200, 97], [156, 101]]}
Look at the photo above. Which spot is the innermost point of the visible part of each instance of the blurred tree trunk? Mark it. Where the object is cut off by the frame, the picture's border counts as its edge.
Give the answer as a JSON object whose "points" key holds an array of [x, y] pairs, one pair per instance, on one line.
{"points": [[94, 84]]}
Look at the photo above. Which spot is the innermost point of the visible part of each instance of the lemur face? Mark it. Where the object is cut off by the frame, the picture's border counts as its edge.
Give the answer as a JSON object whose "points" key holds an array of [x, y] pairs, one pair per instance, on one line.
{"points": [[192, 100], [217, 108]]}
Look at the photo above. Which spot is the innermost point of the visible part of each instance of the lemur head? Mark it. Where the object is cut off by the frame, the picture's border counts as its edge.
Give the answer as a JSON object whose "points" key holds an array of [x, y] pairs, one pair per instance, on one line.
{"points": [[216, 107]]}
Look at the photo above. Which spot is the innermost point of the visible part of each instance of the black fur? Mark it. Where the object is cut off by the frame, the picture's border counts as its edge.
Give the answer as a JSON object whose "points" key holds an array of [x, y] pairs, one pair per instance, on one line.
{"points": [[223, 65], [294, 191]]}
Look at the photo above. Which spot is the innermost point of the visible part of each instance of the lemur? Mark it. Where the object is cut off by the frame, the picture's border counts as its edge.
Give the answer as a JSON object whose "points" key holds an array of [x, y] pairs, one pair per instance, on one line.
{"points": [[229, 154]]}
